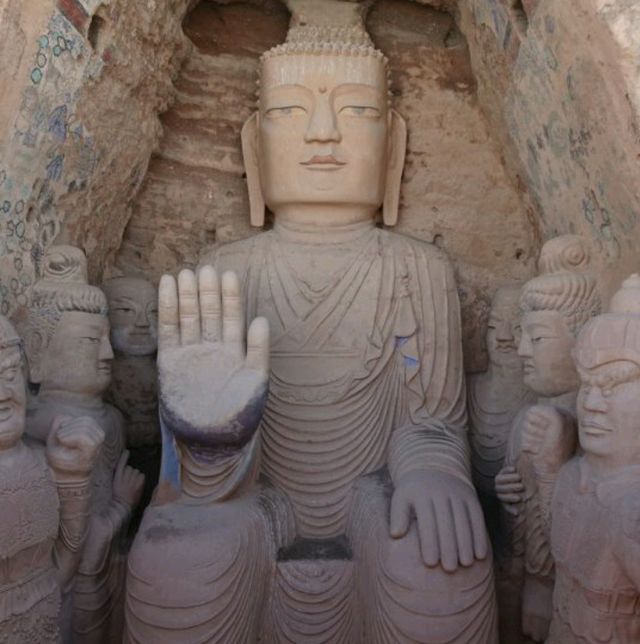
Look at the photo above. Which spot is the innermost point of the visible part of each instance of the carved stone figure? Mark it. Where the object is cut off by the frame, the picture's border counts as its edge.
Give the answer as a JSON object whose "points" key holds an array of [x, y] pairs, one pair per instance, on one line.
{"points": [[590, 501], [44, 505], [555, 306], [133, 321], [365, 526], [67, 343], [497, 395]]}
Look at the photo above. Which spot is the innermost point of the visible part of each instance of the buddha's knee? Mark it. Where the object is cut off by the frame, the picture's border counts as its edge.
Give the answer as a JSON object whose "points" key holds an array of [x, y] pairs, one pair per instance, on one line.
{"points": [[192, 567], [404, 600]]}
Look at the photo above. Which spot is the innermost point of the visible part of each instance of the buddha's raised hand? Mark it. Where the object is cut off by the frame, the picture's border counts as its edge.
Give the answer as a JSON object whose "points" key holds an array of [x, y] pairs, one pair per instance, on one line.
{"points": [[212, 389]]}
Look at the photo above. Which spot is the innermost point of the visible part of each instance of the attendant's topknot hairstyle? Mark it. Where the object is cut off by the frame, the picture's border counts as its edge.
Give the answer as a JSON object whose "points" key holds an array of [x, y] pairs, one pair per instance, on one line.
{"points": [[63, 287], [565, 285]]}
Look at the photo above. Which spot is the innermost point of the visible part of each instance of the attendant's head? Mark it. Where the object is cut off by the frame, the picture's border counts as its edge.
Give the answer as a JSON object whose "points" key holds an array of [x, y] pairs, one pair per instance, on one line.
{"points": [[324, 133], [67, 332], [503, 329], [133, 315], [555, 306], [607, 355], [12, 387]]}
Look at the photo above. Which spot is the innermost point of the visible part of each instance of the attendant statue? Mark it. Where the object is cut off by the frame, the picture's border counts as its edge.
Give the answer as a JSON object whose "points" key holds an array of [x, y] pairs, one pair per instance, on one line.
{"points": [[555, 305], [44, 505], [364, 526], [67, 344], [590, 501], [133, 322], [496, 396]]}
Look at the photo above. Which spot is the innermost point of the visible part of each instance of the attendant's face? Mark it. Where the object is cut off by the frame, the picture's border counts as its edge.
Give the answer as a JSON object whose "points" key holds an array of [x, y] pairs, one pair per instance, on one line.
{"points": [[78, 357], [323, 131], [545, 348], [133, 315], [13, 398], [503, 330], [608, 409]]}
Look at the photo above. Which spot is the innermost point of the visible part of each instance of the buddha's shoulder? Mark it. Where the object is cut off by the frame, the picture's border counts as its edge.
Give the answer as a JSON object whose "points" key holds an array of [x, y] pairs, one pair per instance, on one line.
{"points": [[235, 256], [410, 247]]}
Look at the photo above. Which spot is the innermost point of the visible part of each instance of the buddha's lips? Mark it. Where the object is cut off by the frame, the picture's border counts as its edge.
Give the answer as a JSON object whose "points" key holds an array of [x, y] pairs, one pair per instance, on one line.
{"points": [[324, 159]]}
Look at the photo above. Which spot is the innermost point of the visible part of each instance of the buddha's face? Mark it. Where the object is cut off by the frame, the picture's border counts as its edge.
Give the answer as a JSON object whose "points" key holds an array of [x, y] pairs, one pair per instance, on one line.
{"points": [[545, 348], [323, 131], [503, 330], [12, 397], [608, 407], [133, 315], [78, 357]]}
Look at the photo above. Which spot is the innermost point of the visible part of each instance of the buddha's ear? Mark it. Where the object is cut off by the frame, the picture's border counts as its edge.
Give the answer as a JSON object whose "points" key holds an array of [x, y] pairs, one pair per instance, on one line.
{"points": [[395, 165], [250, 153]]}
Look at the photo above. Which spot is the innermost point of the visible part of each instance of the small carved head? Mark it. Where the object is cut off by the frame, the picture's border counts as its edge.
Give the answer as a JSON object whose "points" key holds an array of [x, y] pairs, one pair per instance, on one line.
{"points": [[67, 331], [13, 398], [555, 306], [607, 356], [503, 329], [324, 134], [133, 315]]}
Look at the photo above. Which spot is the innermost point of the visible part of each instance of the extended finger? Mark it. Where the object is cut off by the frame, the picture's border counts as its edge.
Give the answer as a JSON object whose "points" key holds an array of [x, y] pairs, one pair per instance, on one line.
{"points": [[428, 534], [446, 539], [511, 498], [189, 308], [258, 345], [168, 325], [463, 532], [510, 479], [122, 464], [232, 319], [512, 487], [478, 529], [399, 516], [209, 288]]}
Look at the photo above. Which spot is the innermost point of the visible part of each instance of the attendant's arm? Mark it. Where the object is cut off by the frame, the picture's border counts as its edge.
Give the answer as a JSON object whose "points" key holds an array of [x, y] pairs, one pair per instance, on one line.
{"points": [[103, 527], [71, 451]]}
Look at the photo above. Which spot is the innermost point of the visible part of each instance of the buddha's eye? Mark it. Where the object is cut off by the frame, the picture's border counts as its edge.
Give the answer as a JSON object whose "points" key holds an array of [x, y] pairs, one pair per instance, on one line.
{"points": [[124, 309], [365, 111], [285, 111]]}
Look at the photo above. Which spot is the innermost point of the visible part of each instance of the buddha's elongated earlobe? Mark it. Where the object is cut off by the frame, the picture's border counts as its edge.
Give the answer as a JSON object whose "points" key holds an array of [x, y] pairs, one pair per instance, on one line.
{"points": [[250, 153], [397, 150]]}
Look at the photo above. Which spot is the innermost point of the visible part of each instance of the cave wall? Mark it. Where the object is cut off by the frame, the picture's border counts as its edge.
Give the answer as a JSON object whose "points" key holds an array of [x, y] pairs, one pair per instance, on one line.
{"points": [[85, 81], [119, 131], [456, 191]]}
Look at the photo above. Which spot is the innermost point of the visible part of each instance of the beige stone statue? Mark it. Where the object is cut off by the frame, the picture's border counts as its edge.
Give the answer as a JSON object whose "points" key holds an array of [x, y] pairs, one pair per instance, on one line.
{"points": [[44, 505], [590, 501], [365, 526], [555, 305], [69, 353], [497, 395], [133, 320]]}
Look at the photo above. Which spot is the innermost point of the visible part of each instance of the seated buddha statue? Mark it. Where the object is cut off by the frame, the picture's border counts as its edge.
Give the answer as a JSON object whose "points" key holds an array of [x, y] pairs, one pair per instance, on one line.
{"points": [[325, 487]]}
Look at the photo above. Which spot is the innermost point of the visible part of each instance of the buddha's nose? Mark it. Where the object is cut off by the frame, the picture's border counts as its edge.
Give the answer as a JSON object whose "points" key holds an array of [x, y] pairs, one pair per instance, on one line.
{"points": [[323, 124]]}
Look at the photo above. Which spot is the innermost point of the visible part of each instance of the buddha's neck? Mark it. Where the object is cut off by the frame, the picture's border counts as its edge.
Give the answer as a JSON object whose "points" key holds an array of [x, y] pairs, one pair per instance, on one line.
{"points": [[566, 401], [322, 224]]}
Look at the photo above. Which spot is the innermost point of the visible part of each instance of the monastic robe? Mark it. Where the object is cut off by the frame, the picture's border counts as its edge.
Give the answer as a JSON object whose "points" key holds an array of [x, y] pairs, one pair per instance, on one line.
{"points": [[366, 366]]}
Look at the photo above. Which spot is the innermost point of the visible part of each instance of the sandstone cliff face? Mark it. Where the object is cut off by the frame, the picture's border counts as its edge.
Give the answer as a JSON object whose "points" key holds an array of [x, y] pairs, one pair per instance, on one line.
{"points": [[523, 123], [77, 137]]}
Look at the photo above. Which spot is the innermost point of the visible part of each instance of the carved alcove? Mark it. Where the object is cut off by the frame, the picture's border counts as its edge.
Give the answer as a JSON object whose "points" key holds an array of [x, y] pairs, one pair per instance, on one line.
{"points": [[457, 192]]}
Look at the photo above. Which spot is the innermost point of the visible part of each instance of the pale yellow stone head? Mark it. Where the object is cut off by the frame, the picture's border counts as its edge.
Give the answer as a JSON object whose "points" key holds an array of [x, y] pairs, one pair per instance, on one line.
{"points": [[67, 331], [324, 133]]}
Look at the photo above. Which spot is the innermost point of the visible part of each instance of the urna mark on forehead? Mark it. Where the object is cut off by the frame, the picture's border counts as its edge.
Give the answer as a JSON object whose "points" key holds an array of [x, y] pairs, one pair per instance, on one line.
{"points": [[323, 70]]}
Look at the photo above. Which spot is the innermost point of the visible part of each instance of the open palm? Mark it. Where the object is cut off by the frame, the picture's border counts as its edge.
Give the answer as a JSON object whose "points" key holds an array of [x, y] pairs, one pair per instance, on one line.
{"points": [[212, 390]]}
